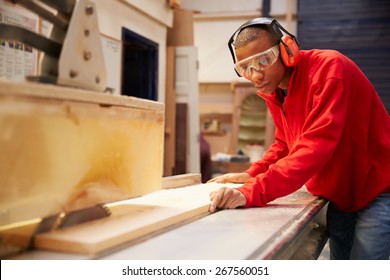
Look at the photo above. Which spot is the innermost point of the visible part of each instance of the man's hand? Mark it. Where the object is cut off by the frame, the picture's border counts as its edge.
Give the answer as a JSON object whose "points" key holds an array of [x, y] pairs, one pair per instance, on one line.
{"points": [[231, 178], [226, 198]]}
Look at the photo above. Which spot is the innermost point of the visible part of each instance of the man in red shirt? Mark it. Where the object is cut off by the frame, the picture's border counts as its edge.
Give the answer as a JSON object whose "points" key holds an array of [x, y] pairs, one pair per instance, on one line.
{"points": [[332, 135]]}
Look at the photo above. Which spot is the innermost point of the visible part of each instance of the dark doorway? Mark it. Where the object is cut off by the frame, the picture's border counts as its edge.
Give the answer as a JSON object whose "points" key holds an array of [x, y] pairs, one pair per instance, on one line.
{"points": [[139, 66]]}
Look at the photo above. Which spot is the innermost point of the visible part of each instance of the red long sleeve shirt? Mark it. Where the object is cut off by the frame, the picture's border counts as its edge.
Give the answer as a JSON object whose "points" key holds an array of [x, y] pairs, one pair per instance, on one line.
{"points": [[332, 135]]}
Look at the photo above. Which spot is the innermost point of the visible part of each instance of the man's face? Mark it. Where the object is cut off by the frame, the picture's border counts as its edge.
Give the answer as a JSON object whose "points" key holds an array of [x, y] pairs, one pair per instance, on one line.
{"points": [[265, 80]]}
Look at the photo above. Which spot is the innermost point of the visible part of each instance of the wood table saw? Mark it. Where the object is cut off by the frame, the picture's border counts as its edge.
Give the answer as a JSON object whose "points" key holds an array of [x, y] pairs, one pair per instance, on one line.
{"points": [[292, 227]]}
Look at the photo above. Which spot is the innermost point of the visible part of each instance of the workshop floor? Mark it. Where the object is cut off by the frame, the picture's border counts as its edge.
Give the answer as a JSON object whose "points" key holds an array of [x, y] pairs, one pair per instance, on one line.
{"points": [[325, 252]]}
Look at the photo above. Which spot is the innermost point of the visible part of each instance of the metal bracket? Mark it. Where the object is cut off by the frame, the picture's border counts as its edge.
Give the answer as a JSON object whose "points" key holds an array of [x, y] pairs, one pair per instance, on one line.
{"points": [[81, 61], [73, 55]]}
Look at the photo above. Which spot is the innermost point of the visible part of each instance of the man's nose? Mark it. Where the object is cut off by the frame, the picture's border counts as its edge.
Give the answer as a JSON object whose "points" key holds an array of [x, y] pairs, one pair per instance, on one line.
{"points": [[255, 74], [252, 67]]}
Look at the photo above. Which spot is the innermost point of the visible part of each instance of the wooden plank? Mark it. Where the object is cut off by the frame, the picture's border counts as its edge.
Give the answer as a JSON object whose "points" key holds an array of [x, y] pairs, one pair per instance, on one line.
{"points": [[133, 219], [182, 180], [253, 233]]}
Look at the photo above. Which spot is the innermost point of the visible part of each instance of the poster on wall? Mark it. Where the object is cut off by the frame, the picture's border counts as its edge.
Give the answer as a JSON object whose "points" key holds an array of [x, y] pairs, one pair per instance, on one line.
{"points": [[17, 60]]}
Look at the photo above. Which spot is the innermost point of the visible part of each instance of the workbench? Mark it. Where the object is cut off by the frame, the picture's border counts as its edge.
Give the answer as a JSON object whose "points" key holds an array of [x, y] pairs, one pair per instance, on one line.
{"points": [[292, 227]]}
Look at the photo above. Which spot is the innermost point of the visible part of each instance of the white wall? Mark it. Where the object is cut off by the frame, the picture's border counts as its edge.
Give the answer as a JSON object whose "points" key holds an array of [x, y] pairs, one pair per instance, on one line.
{"points": [[214, 23], [147, 18], [223, 6]]}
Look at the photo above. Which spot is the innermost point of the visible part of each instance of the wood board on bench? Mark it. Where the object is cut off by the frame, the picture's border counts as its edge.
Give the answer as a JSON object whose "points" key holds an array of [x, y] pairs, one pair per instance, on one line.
{"points": [[135, 218]]}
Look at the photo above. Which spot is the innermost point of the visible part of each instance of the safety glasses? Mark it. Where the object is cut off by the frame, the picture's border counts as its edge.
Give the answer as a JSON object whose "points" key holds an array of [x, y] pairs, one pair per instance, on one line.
{"points": [[259, 62]]}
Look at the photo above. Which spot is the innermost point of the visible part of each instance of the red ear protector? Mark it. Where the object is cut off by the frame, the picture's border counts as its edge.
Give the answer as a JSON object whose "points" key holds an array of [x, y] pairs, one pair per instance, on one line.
{"points": [[289, 50], [289, 46]]}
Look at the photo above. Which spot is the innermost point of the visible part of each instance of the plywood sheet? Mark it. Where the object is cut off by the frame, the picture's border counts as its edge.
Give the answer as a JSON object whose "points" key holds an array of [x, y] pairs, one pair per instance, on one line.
{"points": [[135, 218]]}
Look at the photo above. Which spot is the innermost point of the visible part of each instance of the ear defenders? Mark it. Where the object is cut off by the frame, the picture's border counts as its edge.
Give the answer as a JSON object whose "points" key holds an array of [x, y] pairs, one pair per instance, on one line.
{"points": [[289, 50], [288, 43]]}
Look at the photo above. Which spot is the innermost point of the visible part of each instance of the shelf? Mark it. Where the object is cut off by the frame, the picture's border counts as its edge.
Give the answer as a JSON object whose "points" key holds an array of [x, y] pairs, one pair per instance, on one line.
{"points": [[222, 117], [213, 133], [227, 166], [252, 123], [251, 135]]}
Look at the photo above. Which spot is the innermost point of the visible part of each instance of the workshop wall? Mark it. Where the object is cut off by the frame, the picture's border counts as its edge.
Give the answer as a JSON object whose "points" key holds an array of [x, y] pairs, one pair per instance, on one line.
{"points": [[149, 19]]}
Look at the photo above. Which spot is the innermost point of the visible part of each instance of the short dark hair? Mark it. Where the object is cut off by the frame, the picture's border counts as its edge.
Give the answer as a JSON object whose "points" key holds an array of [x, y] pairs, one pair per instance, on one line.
{"points": [[252, 33]]}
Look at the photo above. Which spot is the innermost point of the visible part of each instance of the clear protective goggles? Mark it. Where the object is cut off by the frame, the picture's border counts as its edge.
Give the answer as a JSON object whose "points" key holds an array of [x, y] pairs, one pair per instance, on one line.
{"points": [[259, 62]]}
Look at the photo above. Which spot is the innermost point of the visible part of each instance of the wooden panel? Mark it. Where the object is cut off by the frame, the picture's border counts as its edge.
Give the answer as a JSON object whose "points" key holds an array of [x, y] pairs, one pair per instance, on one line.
{"points": [[170, 114], [133, 219], [63, 149], [181, 139]]}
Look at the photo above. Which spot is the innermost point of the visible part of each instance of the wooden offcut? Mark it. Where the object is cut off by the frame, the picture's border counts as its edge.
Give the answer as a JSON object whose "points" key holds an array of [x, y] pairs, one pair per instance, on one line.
{"points": [[181, 180]]}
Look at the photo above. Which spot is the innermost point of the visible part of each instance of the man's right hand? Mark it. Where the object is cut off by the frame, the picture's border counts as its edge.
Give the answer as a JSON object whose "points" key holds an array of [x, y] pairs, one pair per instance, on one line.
{"points": [[226, 198]]}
